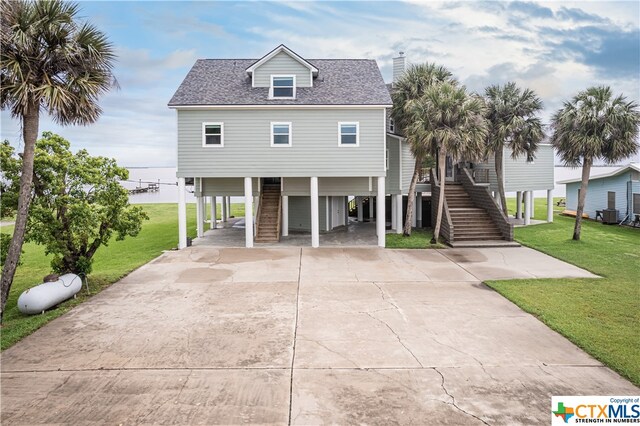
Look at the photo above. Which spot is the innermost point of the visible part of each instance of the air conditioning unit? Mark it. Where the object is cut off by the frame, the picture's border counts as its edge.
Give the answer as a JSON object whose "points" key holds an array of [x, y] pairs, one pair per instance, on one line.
{"points": [[610, 216]]}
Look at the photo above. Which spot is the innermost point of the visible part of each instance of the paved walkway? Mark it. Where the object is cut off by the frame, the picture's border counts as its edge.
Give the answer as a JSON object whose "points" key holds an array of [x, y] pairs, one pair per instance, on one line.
{"points": [[304, 336]]}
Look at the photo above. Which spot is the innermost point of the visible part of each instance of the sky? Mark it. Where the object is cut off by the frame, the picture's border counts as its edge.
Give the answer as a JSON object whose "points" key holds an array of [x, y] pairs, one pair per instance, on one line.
{"points": [[555, 48]]}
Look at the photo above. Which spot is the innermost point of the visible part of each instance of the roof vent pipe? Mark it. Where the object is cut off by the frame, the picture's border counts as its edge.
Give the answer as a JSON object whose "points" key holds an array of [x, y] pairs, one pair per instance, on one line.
{"points": [[399, 64]]}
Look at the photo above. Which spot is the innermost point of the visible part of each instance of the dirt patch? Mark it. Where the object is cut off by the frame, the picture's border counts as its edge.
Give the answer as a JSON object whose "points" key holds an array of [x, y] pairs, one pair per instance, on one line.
{"points": [[204, 275]]}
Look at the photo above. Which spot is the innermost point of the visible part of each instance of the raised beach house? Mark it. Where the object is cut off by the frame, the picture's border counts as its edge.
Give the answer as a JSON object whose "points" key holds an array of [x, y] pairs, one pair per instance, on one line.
{"points": [[298, 138]]}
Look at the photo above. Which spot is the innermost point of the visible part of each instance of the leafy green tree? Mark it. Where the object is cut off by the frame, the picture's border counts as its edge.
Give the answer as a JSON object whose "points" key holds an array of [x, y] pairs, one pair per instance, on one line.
{"points": [[407, 90], [514, 124], [449, 121], [77, 204], [594, 125], [51, 62]]}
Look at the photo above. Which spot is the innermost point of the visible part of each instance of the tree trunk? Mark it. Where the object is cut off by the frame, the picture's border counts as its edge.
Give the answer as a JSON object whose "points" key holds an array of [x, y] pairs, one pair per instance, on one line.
{"points": [[499, 154], [29, 135], [442, 160], [582, 196], [412, 198]]}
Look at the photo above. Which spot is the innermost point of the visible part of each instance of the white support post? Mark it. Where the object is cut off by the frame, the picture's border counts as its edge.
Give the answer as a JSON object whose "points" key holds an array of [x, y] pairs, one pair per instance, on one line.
{"points": [[419, 210], [248, 212], [519, 205], [550, 205], [527, 207], [394, 211], [380, 213], [399, 217], [199, 217], [346, 210], [285, 215], [360, 212], [315, 217], [414, 217], [224, 216], [532, 208], [213, 213], [182, 214], [370, 208]]}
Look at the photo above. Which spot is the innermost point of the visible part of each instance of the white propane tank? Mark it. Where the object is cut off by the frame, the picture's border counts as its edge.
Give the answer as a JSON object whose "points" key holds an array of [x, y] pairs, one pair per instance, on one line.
{"points": [[42, 297]]}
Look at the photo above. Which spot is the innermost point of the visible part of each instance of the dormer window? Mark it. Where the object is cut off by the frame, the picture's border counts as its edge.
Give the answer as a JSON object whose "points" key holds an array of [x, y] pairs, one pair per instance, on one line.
{"points": [[392, 125], [283, 87]]}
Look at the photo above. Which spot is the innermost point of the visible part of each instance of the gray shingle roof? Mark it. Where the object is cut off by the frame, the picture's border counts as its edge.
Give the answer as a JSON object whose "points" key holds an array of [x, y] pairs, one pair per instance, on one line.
{"points": [[339, 82]]}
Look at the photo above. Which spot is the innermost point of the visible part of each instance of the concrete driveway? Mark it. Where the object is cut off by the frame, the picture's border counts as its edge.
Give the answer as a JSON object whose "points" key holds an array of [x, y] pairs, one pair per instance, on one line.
{"points": [[304, 336]]}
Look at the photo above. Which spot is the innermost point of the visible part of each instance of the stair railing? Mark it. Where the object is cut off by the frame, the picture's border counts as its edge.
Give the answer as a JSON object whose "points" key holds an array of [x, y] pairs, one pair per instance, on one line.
{"points": [[482, 198]]}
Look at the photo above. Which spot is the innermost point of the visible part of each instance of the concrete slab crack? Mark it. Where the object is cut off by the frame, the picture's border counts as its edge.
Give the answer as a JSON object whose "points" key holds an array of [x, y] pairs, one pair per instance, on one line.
{"points": [[397, 337], [453, 399], [295, 335]]}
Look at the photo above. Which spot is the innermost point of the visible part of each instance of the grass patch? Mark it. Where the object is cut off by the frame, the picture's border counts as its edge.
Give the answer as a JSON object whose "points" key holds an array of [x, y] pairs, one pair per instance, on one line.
{"points": [[111, 264], [419, 239], [602, 316]]}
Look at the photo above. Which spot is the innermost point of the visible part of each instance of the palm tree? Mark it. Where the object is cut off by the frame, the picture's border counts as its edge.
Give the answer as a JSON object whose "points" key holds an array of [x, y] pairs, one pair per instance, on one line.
{"points": [[449, 121], [594, 125], [513, 124], [410, 87], [49, 62]]}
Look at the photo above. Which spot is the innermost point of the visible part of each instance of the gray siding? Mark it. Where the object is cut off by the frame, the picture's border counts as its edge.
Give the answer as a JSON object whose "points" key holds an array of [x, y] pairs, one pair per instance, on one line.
{"points": [[407, 165], [597, 195], [392, 181], [519, 175], [329, 186], [522, 176], [300, 213], [282, 64], [227, 186], [247, 149]]}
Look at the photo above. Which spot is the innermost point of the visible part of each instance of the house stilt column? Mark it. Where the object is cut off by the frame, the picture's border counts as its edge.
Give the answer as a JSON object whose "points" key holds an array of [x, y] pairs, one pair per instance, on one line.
{"points": [[214, 213], [527, 207], [370, 208], [248, 212], [550, 205], [418, 210], [182, 214], [399, 217], [315, 216], [224, 216], [380, 213], [519, 205], [200, 213], [360, 212], [532, 208], [285, 216], [394, 211]]}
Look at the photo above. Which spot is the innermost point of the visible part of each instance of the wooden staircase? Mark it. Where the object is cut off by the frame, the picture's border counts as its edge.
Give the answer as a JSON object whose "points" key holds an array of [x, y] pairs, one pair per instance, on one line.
{"points": [[470, 223], [268, 218]]}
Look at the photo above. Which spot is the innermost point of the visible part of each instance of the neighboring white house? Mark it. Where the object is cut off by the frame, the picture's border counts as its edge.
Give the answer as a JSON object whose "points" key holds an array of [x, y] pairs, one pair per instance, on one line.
{"points": [[298, 137], [617, 192]]}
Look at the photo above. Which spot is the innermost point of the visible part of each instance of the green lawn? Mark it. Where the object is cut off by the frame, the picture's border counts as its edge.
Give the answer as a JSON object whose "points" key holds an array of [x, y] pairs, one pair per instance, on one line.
{"points": [[419, 239], [111, 263], [602, 316]]}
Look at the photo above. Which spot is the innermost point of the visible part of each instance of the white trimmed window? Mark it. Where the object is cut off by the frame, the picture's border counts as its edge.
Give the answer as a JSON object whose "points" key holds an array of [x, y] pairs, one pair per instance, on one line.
{"points": [[392, 125], [280, 134], [213, 134], [348, 134], [283, 87]]}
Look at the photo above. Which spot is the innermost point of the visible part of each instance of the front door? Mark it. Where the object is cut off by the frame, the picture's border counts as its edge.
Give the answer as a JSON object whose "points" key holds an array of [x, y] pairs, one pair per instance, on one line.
{"points": [[450, 171], [337, 211]]}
